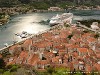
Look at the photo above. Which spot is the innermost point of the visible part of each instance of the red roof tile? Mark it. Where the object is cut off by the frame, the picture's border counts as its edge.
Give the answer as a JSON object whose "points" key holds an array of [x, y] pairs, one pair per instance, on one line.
{"points": [[88, 68], [97, 66], [84, 50], [75, 54], [55, 59], [13, 61], [23, 54], [13, 47], [33, 59], [91, 39], [98, 56], [0, 56], [47, 34], [27, 42], [59, 46], [42, 62]]}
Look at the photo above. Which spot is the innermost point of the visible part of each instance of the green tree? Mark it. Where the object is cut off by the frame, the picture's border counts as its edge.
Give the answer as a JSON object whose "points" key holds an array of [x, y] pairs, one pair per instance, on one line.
{"points": [[70, 36], [5, 53], [96, 36], [61, 71], [8, 3], [7, 73], [2, 63], [50, 70]]}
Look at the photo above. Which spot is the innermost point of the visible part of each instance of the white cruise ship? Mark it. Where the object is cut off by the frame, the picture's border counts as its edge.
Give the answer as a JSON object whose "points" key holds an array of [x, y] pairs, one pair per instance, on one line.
{"points": [[60, 19]]}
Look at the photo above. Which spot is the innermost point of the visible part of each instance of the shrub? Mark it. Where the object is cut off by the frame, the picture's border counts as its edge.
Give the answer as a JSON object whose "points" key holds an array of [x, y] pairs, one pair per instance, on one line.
{"points": [[7, 73], [14, 68], [1, 71]]}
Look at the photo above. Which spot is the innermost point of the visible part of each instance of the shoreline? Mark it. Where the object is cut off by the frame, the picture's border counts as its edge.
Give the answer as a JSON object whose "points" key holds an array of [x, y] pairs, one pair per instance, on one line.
{"points": [[4, 48], [4, 21], [49, 29], [11, 11], [26, 38]]}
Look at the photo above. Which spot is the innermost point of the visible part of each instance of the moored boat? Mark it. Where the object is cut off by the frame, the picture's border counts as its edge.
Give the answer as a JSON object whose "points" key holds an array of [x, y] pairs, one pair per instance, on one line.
{"points": [[24, 34]]}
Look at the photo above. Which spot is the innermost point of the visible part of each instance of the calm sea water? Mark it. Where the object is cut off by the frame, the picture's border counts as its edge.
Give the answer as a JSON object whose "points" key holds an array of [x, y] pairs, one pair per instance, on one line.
{"points": [[26, 22]]}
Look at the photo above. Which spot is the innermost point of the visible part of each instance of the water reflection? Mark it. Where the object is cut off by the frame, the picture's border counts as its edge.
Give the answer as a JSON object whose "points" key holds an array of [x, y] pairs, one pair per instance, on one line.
{"points": [[19, 24]]}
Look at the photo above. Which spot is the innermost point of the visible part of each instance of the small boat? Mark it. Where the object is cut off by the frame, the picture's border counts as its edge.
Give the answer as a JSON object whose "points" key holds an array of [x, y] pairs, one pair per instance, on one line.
{"points": [[0, 24], [6, 44], [17, 34], [60, 19], [24, 34]]}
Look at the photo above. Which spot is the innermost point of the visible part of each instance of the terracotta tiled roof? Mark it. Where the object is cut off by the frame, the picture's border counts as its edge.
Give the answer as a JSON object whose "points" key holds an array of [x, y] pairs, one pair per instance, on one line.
{"points": [[88, 68], [84, 50], [63, 40], [48, 44], [63, 35], [55, 38], [33, 59], [42, 62], [41, 45], [59, 46], [74, 46], [62, 50], [71, 66], [66, 56], [71, 46], [91, 39], [13, 47], [22, 57], [80, 58], [97, 51], [75, 62], [23, 54], [55, 59], [47, 34], [97, 66], [86, 35], [49, 55], [67, 45], [27, 43], [98, 44], [13, 61], [75, 54], [98, 56], [0, 56]]}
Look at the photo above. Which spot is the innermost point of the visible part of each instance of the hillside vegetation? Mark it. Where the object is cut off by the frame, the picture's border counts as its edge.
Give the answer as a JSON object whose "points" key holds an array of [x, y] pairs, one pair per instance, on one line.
{"points": [[44, 4]]}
